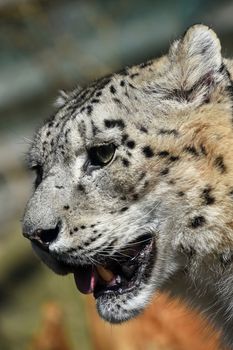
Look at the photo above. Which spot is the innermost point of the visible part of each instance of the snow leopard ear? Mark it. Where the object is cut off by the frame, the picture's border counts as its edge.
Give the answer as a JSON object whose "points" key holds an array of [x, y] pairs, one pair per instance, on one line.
{"points": [[197, 60]]}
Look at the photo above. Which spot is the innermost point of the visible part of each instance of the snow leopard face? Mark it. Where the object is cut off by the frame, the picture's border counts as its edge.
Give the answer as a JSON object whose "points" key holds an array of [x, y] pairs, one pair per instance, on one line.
{"points": [[126, 191]]}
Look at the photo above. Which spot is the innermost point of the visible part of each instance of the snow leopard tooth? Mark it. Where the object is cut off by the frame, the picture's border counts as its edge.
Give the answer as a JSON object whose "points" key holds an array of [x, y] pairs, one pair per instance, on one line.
{"points": [[104, 273]]}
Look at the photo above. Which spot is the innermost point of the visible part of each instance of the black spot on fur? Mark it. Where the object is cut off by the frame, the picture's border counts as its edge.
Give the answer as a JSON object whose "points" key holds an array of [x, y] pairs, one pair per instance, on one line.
{"points": [[172, 182], [164, 171], [131, 189], [197, 221], [219, 164], [122, 83], [163, 154], [143, 129], [89, 109], [112, 89], [206, 100], [191, 149], [124, 137], [207, 196], [124, 209], [67, 132], [83, 227], [223, 69], [147, 151], [59, 187], [132, 86], [50, 124], [130, 144], [117, 100], [66, 207], [111, 123], [142, 175], [98, 94], [75, 229], [73, 250], [134, 75], [120, 123], [125, 162], [146, 183], [173, 132], [94, 128], [174, 158], [123, 72], [95, 100], [48, 133], [180, 193], [81, 188]]}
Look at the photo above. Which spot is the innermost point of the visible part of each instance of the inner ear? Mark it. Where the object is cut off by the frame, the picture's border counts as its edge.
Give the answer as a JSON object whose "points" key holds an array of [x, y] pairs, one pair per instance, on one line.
{"points": [[197, 59]]}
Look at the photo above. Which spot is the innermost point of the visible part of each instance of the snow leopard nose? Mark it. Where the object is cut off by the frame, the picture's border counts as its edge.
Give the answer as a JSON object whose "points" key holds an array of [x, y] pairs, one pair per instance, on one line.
{"points": [[44, 237]]}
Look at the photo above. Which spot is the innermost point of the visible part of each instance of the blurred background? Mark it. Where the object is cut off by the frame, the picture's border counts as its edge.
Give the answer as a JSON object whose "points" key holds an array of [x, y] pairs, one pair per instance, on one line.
{"points": [[47, 45]]}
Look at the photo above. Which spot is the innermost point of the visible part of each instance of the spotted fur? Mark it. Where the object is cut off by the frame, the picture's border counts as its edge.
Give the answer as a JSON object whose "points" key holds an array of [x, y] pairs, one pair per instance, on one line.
{"points": [[170, 120]]}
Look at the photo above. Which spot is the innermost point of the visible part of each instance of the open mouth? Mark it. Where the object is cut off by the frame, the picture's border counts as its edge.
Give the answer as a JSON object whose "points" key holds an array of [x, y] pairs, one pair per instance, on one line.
{"points": [[120, 273], [111, 275]]}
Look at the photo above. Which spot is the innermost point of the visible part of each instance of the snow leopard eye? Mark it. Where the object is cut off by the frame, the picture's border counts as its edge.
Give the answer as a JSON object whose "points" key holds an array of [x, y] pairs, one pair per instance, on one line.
{"points": [[101, 155], [39, 174]]}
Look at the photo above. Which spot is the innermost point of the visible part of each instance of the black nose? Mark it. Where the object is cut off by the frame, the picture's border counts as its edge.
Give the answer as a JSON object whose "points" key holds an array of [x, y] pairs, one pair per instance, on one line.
{"points": [[43, 237]]}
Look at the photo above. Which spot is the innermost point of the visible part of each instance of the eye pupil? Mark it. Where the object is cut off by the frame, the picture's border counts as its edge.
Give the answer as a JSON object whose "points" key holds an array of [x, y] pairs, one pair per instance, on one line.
{"points": [[101, 155]]}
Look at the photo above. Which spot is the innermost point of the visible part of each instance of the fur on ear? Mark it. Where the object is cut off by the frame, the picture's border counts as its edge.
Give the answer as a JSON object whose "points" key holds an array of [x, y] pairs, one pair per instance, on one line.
{"points": [[197, 60], [64, 96], [61, 99]]}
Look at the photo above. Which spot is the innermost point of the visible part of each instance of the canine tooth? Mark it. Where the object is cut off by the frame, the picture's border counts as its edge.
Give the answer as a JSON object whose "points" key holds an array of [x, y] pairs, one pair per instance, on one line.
{"points": [[105, 274]]}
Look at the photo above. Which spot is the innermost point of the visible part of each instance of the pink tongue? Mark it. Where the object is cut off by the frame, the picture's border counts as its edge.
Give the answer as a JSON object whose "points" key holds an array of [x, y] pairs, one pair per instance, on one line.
{"points": [[85, 279]]}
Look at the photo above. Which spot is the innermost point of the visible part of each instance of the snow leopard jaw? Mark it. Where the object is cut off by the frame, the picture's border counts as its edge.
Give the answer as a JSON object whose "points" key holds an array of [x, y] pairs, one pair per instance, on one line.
{"points": [[112, 275]]}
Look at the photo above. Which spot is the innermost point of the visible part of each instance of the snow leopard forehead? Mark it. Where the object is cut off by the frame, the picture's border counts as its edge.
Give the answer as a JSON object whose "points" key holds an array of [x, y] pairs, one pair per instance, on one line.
{"points": [[110, 105]]}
